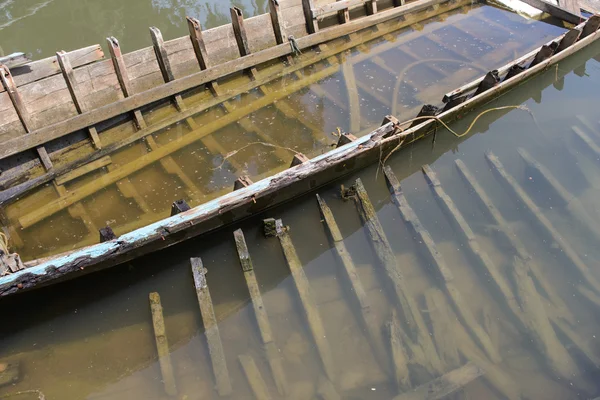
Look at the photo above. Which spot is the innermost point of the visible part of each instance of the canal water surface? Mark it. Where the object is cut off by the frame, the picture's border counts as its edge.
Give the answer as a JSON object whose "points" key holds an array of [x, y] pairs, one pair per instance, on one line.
{"points": [[489, 265]]}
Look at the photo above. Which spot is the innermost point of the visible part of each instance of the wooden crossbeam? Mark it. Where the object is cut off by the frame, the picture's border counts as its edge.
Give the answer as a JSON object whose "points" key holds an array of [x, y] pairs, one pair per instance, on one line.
{"points": [[76, 95], [9, 85]]}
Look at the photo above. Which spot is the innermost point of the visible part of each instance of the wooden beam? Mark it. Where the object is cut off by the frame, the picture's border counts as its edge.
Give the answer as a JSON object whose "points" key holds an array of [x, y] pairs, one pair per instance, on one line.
{"points": [[343, 15], [353, 99], [414, 323], [239, 30], [356, 287], [437, 261], [260, 312], [510, 235], [100, 114], [555, 11], [162, 345], [312, 24], [543, 222], [277, 21], [309, 305], [445, 385], [195, 29], [76, 95], [9, 85], [211, 329], [255, 379], [442, 329], [86, 169]]}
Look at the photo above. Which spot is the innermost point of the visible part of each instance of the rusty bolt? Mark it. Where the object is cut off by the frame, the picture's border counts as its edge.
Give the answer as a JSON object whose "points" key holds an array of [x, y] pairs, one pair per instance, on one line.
{"points": [[20, 286]]}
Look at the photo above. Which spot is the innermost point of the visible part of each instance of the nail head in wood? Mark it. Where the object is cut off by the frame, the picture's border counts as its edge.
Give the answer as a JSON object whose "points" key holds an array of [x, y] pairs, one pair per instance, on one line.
{"points": [[242, 182], [179, 206], [107, 234], [298, 159]]}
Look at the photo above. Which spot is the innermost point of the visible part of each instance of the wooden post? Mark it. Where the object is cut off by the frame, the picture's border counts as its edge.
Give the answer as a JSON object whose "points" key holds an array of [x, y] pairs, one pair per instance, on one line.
{"points": [[211, 329], [239, 30], [255, 379], [543, 222], [299, 159], [356, 287], [307, 300], [242, 182], [179, 206], [162, 345], [76, 95], [591, 26], [345, 138], [15, 97], [277, 21], [107, 234], [195, 29], [260, 312], [116, 55], [568, 40], [344, 15], [414, 323], [371, 6], [312, 25], [437, 261]]}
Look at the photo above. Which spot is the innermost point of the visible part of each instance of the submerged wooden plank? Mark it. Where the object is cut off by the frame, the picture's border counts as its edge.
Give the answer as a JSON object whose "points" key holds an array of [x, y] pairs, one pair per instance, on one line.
{"points": [[162, 345], [445, 385], [356, 287], [211, 329], [255, 379], [260, 313], [544, 222], [411, 313], [86, 169], [511, 236], [309, 305], [399, 357], [437, 261], [443, 334]]}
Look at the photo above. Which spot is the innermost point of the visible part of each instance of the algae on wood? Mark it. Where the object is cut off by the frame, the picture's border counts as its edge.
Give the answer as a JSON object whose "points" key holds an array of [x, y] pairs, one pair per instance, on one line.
{"points": [[162, 345]]}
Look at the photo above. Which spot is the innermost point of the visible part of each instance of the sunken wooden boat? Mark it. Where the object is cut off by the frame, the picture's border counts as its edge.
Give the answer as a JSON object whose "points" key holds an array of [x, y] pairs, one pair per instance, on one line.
{"points": [[76, 126]]}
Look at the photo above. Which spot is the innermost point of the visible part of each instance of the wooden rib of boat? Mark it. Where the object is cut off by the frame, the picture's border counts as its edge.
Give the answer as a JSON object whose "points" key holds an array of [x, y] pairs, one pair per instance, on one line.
{"points": [[37, 147]]}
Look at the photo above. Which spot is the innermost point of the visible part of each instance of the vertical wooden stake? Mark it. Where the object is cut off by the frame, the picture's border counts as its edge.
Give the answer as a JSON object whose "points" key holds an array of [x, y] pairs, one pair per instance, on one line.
{"points": [[312, 25], [344, 15], [195, 29], [21, 110], [215, 347], [371, 6], [76, 96], [277, 20], [162, 345], [255, 379], [239, 30]]}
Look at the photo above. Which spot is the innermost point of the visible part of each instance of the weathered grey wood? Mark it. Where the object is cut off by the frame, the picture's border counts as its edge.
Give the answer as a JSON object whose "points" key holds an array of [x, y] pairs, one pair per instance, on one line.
{"points": [[544, 222], [298, 159], [40, 69], [555, 11], [511, 236], [568, 40], [345, 138], [211, 329], [86, 169], [444, 275], [343, 15], [76, 95], [570, 202], [571, 6], [356, 287], [179, 206], [312, 24], [9, 85], [72, 124], [277, 21], [414, 322], [443, 333], [526, 306], [239, 30], [162, 345], [260, 312], [15, 60], [255, 379], [195, 29], [398, 353], [445, 385], [341, 5], [309, 306], [591, 26]]}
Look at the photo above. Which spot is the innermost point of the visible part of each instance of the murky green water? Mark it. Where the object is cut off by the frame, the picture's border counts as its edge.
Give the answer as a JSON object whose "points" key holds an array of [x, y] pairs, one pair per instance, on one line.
{"points": [[42, 27], [93, 338]]}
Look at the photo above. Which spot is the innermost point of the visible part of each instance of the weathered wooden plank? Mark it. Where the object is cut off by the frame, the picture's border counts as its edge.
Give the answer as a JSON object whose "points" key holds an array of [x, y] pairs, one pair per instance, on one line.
{"points": [[195, 29], [10, 86], [437, 261], [239, 30], [76, 94], [325, 9], [255, 379], [162, 345], [399, 357], [15, 60], [571, 6], [309, 306], [570, 202], [86, 169], [443, 333], [555, 11], [260, 312], [512, 238], [211, 329], [356, 287], [312, 24], [543, 222], [278, 23], [75, 123], [353, 99], [413, 319], [445, 385]]}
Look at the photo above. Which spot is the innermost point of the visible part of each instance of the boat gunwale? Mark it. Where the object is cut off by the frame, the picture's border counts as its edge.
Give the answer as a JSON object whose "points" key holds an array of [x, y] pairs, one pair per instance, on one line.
{"points": [[114, 252]]}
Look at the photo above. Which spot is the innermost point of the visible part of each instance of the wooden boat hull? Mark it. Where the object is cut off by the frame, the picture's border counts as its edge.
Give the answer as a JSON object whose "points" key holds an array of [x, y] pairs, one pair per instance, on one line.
{"points": [[274, 190]]}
